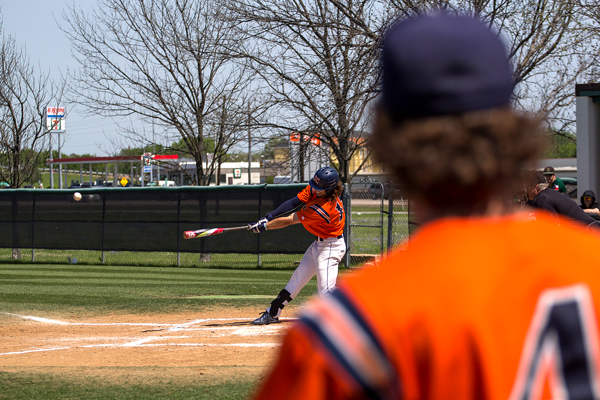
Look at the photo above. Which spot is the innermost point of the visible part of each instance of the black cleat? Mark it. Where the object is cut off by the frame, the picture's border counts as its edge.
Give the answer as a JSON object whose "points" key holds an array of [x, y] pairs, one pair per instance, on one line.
{"points": [[265, 319]]}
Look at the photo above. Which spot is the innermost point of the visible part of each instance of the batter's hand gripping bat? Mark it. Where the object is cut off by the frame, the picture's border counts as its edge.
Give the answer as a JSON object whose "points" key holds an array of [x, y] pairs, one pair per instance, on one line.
{"points": [[210, 232]]}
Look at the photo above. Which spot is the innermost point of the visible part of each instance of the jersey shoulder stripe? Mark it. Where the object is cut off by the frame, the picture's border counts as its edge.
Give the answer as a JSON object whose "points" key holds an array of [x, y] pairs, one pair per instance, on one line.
{"points": [[349, 342], [319, 210]]}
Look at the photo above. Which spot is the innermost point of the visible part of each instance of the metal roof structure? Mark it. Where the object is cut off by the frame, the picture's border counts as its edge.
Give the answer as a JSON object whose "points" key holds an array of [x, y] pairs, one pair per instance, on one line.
{"points": [[98, 160]]}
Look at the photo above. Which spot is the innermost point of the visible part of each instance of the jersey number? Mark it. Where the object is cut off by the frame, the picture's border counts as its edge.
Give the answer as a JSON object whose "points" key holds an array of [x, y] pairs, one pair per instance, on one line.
{"points": [[340, 210], [562, 341]]}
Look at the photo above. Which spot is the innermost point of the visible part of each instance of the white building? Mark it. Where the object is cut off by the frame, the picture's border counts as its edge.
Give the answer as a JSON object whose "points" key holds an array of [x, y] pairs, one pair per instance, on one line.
{"points": [[232, 173]]}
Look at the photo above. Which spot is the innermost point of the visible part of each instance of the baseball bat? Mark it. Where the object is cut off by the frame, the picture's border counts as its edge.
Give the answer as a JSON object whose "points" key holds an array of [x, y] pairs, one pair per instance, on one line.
{"points": [[210, 232]]}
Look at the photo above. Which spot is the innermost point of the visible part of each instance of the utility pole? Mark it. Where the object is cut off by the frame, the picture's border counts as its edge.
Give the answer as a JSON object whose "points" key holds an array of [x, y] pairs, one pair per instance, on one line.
{"points": [[301, 158], [151, 166], [219, 144], [143, 166], [249, 150], [51, 165]]}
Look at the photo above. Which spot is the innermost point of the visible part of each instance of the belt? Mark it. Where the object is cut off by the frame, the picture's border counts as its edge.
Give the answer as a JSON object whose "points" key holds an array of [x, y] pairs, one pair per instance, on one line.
{"points": [[320, 239]]}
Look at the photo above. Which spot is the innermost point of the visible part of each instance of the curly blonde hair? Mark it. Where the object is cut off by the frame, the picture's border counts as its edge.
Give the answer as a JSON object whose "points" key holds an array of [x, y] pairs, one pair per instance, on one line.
{"points": [[456, 162]]}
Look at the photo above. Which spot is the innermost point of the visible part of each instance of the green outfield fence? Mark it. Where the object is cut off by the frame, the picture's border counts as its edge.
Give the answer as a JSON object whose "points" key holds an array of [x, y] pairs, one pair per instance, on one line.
{"points": [[144, 226]]}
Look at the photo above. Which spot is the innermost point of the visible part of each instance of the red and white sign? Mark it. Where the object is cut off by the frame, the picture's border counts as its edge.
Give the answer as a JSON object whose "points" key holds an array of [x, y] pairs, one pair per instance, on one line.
{"points": [[55, 119], [315, 139]]}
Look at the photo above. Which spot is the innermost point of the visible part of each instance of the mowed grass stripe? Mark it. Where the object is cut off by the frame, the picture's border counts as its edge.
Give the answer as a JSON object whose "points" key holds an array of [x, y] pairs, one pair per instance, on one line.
{"points": [[130, 270], [95, 290]]}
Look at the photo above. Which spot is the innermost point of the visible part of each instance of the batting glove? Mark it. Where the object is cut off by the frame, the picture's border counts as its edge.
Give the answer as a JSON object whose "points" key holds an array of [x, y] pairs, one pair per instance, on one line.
{"points": [[258, 227]]}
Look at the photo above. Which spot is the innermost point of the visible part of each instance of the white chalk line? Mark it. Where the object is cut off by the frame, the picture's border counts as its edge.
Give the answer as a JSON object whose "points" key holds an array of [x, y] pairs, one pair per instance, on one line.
{"points": [[144, 342], [57, 322], [147, 345], [173, 326]]}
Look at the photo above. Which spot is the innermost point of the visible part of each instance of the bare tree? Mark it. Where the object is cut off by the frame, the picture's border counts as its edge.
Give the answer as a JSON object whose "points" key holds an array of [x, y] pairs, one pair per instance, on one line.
{"points": [[591, 16], [162, 61], [319, 59], [550, 43], [319, 69], [550, 46], [24, 96]]}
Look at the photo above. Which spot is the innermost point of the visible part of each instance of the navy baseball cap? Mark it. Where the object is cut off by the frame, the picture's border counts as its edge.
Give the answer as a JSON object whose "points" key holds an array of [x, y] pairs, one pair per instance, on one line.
{"points": [[443, 64]]}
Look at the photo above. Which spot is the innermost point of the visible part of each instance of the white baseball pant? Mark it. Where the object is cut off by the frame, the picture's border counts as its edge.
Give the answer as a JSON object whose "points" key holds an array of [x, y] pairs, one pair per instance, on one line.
{"points": [[321, 258]]}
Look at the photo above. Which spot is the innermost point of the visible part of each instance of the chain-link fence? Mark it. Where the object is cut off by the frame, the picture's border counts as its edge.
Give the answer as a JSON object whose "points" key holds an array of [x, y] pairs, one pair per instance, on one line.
{"points": [[377, 219]]}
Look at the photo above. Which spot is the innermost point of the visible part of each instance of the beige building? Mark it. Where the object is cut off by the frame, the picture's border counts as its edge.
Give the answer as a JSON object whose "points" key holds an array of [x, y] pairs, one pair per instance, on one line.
{"points": [[281, 153]]}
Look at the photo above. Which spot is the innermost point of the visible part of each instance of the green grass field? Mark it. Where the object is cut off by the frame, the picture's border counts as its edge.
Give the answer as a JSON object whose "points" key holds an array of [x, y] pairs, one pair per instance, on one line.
{"points": [[47, 386], [92, 290], [86, 291], [144, 285]]}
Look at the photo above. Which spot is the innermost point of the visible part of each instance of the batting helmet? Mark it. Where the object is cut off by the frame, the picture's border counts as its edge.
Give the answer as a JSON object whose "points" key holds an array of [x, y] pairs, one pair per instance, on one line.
{"points": [[325, 178]]}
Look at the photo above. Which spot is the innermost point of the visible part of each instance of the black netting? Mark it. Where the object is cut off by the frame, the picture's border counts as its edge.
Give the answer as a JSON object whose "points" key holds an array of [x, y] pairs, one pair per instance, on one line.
{"points": [[147, 219]]}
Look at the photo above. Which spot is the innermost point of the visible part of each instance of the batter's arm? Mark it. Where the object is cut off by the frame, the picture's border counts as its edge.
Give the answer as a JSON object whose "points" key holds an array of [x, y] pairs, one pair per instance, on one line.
{"points": [[282, 222], [285, 208]]}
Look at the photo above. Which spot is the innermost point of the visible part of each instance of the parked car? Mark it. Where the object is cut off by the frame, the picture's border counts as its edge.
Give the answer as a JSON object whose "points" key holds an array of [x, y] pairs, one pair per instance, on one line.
{"points": [[376, 188], [360, 191]]}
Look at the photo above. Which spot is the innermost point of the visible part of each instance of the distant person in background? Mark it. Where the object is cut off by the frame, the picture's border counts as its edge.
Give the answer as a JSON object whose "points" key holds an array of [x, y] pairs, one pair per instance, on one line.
{"points": [[41, 186], [554, 182], [589, 203], [545, 198]]}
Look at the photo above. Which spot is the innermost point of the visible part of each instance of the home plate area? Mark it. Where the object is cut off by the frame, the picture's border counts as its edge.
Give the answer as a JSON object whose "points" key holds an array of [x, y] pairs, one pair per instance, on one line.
{"points": [[204, 340]]}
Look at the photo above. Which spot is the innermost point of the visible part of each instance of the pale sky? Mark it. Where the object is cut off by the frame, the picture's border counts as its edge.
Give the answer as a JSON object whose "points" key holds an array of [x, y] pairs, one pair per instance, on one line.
{"points": [[34, 24]]}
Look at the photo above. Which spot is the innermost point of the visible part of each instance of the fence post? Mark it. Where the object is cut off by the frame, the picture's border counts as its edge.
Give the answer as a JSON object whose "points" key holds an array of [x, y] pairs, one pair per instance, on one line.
{"points": [[103, 222], [178, 226], [346, 200], [390, 216], [16, 243], [259, 261], [33, 231]]}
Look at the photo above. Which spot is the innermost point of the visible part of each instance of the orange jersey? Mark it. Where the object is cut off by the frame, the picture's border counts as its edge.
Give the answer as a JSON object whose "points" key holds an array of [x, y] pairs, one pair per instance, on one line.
{"points": [[472, 309], [323, 218], [307, 194]]}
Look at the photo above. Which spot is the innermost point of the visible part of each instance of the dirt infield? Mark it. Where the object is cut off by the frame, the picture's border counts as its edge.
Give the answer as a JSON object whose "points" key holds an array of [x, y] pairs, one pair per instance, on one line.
{"points": [[213, 345]]}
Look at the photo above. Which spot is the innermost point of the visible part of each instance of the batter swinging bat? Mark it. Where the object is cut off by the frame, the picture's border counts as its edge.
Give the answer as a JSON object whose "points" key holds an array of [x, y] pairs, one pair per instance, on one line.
{"points": [[210, 232]]}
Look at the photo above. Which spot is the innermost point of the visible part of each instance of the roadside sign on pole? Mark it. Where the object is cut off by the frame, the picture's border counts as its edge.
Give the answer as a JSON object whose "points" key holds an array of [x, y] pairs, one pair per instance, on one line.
{"points": [[147, 168], [55, 119]]}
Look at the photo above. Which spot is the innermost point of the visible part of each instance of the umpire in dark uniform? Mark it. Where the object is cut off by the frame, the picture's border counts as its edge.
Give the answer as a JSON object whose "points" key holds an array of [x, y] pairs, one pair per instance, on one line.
{"points": [[557, 203]]}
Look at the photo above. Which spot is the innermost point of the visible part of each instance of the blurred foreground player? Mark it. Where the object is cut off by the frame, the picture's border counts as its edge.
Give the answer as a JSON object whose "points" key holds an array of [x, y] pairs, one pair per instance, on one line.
{"points": [[470, 309], [319, 209]]}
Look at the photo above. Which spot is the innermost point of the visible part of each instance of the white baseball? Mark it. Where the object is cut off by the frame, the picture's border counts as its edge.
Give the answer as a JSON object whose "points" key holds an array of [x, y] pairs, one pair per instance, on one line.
{"points": [[77, 196]]}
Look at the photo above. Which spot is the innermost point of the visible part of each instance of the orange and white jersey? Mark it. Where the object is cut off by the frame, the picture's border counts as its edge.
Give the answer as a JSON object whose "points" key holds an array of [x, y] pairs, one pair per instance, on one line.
{"points": [[323, 217], [471, 309]]}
